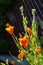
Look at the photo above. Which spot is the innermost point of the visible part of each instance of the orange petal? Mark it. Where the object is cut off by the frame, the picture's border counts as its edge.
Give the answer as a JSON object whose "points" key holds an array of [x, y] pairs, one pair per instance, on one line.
{"points": [[13, 63], [7, 25], [21, 55], [10, 30], [20, 39], [29, 30], [26, 38], [24, 44], [24, 51], [38, 50]]}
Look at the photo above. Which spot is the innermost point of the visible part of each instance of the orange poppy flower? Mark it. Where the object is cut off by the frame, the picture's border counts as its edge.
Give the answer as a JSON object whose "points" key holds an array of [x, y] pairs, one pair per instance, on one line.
{"points": [[24, 41], [38, 50], [29, 30], [10, 29], [21, 55], [13, 63]]}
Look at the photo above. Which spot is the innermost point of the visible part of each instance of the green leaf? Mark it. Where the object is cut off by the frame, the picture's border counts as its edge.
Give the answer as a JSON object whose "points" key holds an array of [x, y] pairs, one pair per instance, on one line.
{"points": [[25, 22]]}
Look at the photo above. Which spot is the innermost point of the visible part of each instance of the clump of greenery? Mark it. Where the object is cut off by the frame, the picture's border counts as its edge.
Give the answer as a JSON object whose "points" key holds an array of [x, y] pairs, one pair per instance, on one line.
{"points": [[28, 43], [6, 62]]}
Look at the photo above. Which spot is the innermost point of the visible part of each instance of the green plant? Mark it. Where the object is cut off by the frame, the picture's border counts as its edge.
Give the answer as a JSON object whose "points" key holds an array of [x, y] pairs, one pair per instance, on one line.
{"points": [[6, 62], [28, 43]]}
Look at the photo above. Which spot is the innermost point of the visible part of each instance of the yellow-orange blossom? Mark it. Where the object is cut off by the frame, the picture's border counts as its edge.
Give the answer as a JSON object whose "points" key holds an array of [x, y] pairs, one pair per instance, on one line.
{"points": [[24, 41], [9, 28]]}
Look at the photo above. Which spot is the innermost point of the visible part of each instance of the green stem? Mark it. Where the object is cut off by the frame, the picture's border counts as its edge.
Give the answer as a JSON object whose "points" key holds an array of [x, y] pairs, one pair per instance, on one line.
{"points": [[14, 39], [17, 42]]}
